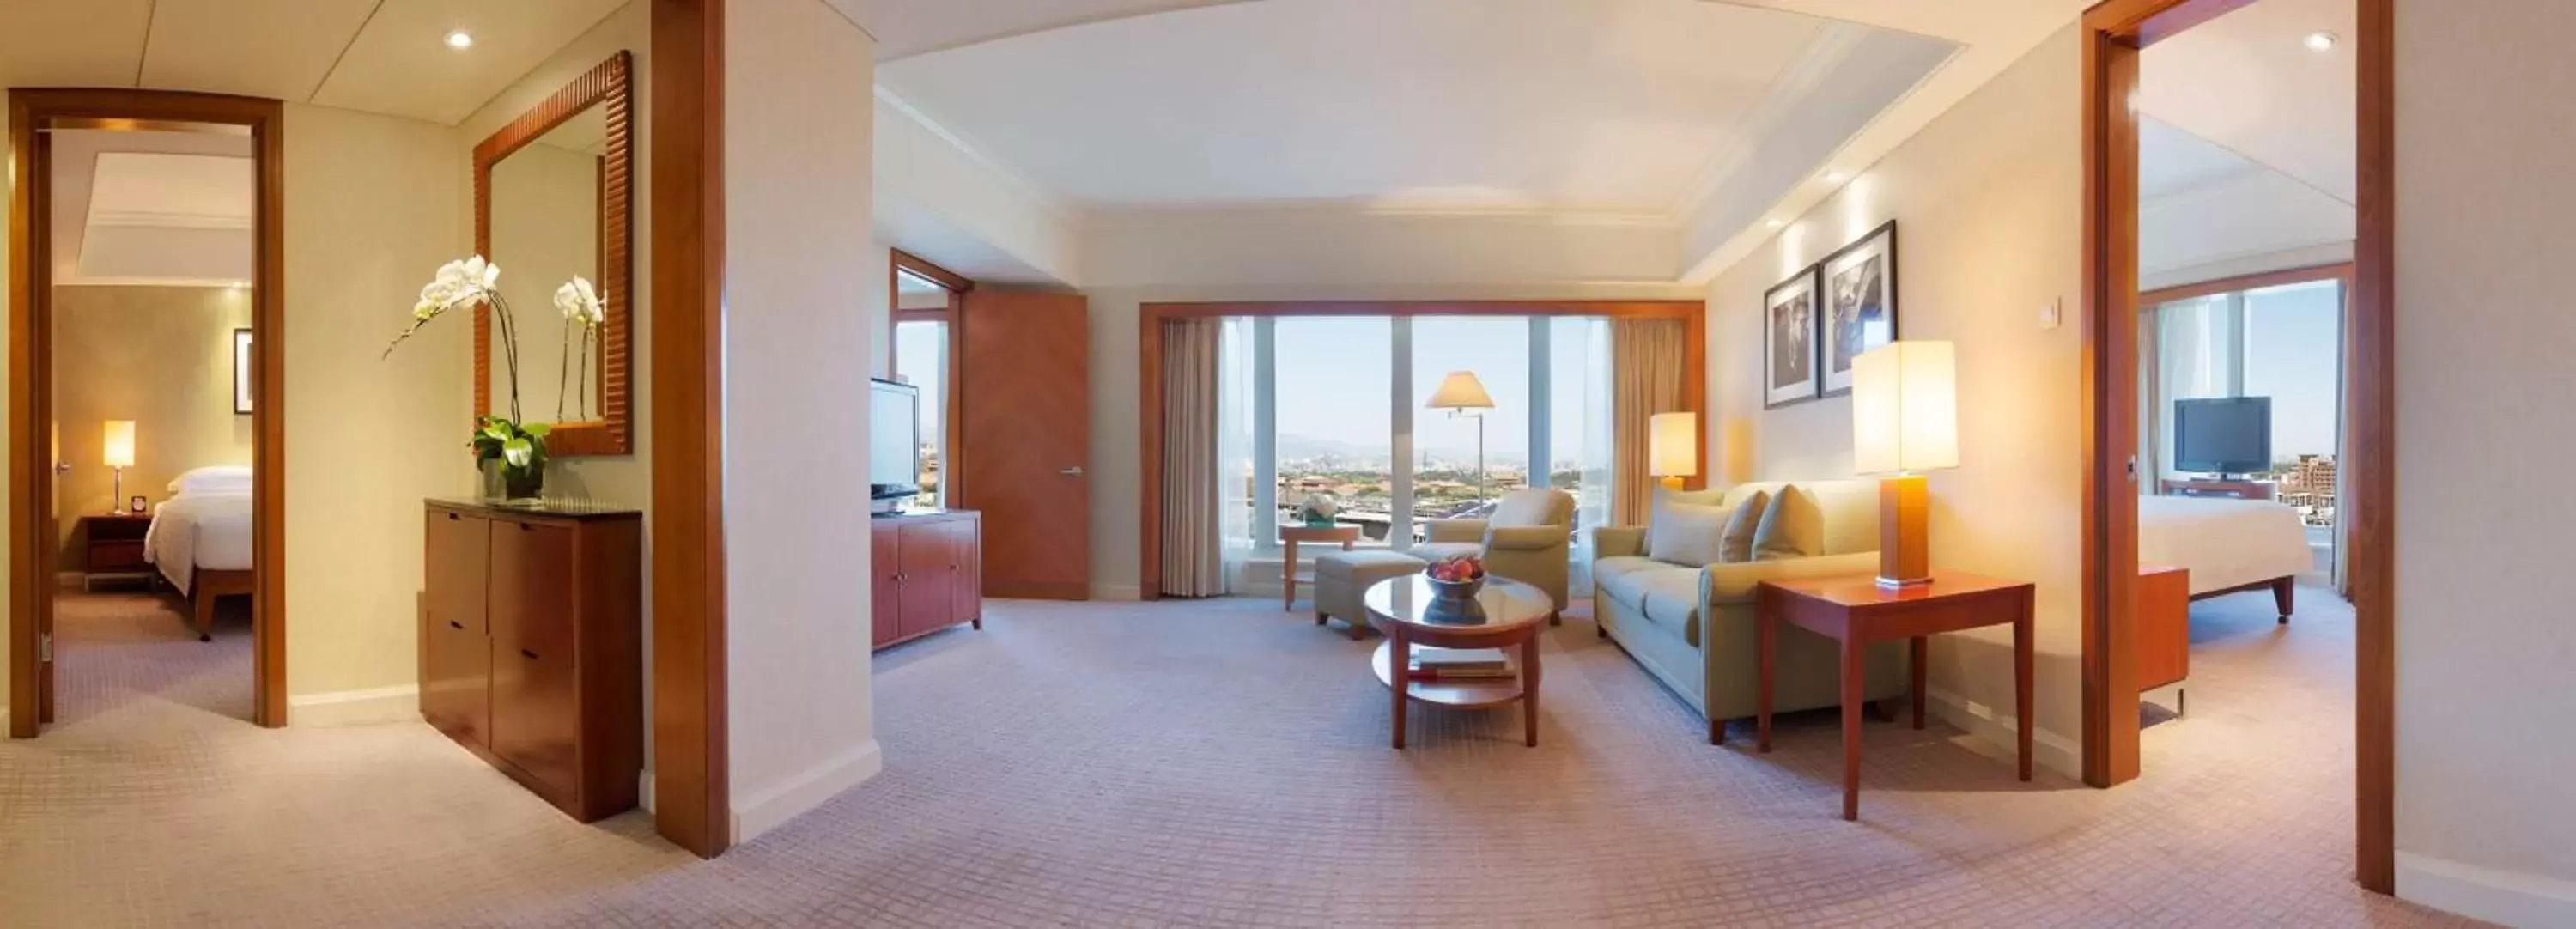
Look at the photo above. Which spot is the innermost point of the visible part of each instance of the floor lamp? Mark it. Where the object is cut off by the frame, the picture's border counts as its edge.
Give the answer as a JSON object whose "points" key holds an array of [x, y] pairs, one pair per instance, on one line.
{"points": [[1459, 393]]}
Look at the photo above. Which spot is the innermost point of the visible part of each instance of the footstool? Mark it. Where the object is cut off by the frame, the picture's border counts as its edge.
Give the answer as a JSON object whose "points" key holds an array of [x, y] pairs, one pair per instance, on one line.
{"points": [[1341, 578]]}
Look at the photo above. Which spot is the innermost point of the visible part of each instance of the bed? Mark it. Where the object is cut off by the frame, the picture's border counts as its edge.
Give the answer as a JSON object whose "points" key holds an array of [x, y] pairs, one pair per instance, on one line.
{"points": [[2228, 545], [200, 540]]}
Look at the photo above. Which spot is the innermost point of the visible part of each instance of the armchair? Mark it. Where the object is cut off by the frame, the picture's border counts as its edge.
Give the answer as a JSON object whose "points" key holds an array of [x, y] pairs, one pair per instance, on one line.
{"points": [[1530, 539]]}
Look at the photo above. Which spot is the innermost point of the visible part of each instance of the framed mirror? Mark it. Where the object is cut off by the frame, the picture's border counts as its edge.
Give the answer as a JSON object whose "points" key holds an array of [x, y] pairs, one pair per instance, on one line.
{"points": [[552, 192]]}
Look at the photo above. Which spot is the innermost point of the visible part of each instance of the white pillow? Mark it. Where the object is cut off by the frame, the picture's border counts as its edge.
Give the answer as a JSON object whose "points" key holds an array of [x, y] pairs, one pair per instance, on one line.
{"points": [[1686, 535], [214, 479]]}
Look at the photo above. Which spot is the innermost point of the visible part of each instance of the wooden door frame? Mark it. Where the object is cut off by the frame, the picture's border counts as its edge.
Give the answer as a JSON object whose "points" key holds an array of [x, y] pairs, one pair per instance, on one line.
{"points": [[692, 792], [2113, 34], [32, 557], [899, 261], [1693, 315]]}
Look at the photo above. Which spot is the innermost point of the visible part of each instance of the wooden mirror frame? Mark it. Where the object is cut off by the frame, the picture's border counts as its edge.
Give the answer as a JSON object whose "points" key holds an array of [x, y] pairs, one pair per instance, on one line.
{"points": [[612, 84]]}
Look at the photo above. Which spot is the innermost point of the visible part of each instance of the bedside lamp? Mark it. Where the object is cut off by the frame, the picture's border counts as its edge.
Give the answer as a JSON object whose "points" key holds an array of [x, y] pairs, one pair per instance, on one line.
{"points": [[120, 456], [1672, 448], [1905, 421], [1458, 393]]}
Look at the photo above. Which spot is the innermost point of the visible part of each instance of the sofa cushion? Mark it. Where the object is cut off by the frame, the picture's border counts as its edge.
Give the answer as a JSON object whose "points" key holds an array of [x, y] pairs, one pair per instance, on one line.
{"points": [[1686, 534], [1849, 508], [1534, 507], [1672, 600], [1793, 526], [1436, 552], [1736, 544], [1619, 578]]}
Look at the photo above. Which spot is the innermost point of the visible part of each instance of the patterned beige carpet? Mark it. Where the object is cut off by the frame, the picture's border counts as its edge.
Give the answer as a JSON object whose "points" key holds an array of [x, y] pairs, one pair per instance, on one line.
{"points": [[1224, 764]]}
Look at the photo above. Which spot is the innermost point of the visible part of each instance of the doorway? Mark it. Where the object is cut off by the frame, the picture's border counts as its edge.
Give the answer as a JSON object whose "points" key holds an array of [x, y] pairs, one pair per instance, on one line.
{"points": [[149, 442], [2113, 34]]}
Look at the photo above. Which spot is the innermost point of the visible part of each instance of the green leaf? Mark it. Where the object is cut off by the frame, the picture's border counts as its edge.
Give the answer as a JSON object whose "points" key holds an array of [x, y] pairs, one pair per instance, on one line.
{"points": [[537, 429], [519, 453]]}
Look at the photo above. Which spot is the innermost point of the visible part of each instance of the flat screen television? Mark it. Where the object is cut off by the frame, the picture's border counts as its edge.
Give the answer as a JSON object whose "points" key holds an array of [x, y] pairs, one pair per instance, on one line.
{"points": [[894, 440], [2224, 435]]}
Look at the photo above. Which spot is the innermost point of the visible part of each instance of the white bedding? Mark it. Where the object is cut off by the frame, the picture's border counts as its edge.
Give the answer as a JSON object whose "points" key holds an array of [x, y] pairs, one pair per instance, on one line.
{"points": [[199, 531], [2226, 543]]}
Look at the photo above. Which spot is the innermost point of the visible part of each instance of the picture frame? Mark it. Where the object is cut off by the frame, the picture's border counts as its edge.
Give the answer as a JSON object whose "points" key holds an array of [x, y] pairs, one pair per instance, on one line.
{"points": [[1789, 348], [137, 505], [1857, 290], [241, 371]]}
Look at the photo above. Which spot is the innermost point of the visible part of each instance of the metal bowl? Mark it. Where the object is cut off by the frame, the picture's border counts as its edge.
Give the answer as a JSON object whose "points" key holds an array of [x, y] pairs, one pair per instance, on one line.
{"points": [[1455, 590]]}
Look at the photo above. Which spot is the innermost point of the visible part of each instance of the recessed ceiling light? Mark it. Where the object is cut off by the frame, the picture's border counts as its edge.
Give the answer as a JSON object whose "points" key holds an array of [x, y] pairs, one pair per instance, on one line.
{"points": [[1775, 224], [1836, 177], [2321, 41], [459, 39]]}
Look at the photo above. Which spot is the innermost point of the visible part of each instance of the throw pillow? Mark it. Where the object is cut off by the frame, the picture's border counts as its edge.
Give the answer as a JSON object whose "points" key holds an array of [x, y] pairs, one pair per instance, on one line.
{"points": [[1737, 546], [1794, 527], [1685, 534]]}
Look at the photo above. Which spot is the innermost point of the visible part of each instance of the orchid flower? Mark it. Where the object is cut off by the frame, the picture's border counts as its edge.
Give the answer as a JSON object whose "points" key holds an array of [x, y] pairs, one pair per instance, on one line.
{"points": [[463, 283], [580, 303]]}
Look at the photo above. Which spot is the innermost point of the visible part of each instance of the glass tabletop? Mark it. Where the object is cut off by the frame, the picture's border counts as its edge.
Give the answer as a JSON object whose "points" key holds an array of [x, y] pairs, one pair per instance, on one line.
{"points": [[1412, 599]]}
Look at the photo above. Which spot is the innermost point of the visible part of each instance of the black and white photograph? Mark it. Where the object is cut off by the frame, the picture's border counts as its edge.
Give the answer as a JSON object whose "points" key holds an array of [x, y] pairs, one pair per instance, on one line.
{"points": [[1860, 303], [1789, 370]]}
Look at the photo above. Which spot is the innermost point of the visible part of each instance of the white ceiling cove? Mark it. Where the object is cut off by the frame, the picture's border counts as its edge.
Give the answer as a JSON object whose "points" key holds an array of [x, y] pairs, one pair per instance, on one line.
{"points": [[157, 208], [1615, 105], [2248, 82]]}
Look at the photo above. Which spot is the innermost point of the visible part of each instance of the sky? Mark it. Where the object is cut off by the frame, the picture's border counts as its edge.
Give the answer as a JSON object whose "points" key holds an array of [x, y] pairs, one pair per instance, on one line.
{"points": [[2293, 350], [1334, 375]]}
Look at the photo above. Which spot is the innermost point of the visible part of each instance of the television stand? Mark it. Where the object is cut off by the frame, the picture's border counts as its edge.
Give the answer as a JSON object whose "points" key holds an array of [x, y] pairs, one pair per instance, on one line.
{"points": [[2234, 487]]}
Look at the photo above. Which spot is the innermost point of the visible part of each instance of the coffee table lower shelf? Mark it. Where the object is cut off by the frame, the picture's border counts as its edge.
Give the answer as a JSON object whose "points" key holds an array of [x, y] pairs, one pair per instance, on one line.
{"points": [[1463, 694]]}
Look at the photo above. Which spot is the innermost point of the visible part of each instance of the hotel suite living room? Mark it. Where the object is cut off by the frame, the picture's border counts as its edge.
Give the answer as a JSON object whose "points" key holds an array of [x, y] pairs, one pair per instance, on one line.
{"points": [[1283, 462]]}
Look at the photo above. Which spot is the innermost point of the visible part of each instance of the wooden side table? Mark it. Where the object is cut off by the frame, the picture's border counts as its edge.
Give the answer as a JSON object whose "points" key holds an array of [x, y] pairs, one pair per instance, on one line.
{"points": [[112, 548], [1289, 536], [1856, 612]]}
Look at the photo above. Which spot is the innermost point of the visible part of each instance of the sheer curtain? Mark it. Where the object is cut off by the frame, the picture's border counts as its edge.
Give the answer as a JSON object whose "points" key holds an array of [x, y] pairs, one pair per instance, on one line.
{"points": [[2196, 356], [1595, 459], [1234, 447]]}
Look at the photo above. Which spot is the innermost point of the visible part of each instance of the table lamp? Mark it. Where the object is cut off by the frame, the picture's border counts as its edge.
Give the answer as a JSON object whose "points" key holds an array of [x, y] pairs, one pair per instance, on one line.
{"points": [[1672, 448], [1458, 393], [1905, 421], [120, 456]]}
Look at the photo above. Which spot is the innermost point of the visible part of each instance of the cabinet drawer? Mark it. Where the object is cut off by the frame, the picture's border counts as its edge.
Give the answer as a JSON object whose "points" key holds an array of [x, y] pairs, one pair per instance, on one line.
{"points": [[455, 678], [536, 715], [116, 555]]}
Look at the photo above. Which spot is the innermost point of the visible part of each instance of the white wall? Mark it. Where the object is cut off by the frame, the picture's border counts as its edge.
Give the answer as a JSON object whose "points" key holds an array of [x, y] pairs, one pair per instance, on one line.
{"points": [[803, 307], [2484, 645], [1987, 199], [372, 207], [934, 196]]}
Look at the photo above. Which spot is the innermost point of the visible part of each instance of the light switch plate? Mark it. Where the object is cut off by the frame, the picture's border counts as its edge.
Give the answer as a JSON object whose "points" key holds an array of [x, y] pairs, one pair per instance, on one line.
{"points": [[2052, 315]]}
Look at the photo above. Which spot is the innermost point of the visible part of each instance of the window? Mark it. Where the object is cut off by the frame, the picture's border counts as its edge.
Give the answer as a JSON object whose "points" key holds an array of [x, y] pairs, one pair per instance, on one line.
{"points": [[1450, 448], [2283, 342], [921, 358], [1331, 429]]}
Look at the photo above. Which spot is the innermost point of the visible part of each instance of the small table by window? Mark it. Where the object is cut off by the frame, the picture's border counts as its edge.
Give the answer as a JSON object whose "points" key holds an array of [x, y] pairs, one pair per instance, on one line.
{"points": [[112, 548], [1289, 536], [1856, 612]]}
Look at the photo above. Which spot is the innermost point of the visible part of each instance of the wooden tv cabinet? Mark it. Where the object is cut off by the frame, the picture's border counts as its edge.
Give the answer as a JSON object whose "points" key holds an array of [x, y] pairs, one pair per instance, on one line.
{"points": [[926, 573]]}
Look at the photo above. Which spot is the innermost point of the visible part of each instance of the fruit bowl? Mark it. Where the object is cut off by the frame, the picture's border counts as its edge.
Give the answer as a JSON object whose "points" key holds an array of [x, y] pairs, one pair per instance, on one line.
{"points": [[1456, 578]]}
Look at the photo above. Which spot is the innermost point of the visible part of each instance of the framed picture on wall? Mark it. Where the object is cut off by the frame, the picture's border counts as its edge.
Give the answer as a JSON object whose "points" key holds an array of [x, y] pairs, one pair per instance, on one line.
{"points": [[1789, 371], [241, 371], [1860, 303]]}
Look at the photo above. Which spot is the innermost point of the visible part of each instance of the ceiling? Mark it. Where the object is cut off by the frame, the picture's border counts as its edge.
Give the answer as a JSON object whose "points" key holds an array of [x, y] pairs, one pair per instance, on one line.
{"points": [[151, 208], [1610, 105], [2247, 82], [378, 56]]}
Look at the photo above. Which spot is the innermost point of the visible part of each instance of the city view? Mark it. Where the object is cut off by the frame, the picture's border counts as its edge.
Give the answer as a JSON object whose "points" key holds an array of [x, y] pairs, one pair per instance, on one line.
{"points": [[2307, 484], [1444, 487]]}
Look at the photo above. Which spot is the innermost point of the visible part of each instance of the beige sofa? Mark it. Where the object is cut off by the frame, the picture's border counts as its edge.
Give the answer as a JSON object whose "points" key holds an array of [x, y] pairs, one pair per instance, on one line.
{"points": [[1530, 539], [1693, 627]]}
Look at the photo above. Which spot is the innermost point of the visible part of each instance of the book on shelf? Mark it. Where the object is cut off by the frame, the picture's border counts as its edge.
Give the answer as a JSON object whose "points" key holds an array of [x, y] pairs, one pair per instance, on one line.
{"points": [[1432, 662]]}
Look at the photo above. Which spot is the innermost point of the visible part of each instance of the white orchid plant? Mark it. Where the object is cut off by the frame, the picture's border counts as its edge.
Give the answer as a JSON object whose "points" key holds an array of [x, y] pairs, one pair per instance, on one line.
{"points": [[579, 303], [520, 447]]}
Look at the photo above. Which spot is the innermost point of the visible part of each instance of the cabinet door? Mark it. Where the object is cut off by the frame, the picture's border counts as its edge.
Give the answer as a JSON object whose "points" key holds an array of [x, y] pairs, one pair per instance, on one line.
{"points": [[923, 558], [535, 705], [966, 582], [885, 603], [455, 649]]}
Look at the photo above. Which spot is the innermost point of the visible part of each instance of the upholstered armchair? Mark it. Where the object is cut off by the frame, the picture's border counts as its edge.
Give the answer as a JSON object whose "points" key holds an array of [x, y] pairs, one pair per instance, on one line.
{"points": [[1530, 539]]}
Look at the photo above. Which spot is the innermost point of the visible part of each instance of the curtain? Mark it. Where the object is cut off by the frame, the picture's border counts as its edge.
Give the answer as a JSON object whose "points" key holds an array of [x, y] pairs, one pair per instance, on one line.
{"points": [[1193, 554], [2197, 346], [1595, 457], [1234, 445], [1646, 379], [2151, 427]]}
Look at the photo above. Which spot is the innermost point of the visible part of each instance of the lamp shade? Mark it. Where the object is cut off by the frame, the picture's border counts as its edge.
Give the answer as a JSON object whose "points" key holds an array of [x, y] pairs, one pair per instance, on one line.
{"points": [[1461, 391], [1905, 408], [120, 443], [1672, 445]]}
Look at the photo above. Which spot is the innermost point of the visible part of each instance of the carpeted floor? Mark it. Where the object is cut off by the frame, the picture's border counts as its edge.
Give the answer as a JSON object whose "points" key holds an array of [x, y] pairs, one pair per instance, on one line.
{"points": [[130, 655], [1225, 764]]}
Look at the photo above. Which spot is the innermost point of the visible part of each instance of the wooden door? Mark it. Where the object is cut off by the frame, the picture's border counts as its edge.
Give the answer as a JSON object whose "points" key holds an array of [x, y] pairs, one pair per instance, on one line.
{"points": [[884, 605], [924, 562], [1023, 453], [455, 640], [535, 694]]}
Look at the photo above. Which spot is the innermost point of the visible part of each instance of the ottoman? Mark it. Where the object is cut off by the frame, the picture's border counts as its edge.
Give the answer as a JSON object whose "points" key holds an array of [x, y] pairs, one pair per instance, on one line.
{"points": [[1341, 578]]}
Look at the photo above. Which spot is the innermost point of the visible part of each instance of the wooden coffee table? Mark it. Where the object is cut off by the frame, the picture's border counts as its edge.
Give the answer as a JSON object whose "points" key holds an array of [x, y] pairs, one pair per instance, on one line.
{"points": [[1515, 614]]}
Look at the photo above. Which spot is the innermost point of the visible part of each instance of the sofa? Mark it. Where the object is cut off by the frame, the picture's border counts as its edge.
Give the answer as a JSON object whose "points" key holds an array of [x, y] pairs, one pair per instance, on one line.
{"points": [[1530, 539], [1693, 628]]}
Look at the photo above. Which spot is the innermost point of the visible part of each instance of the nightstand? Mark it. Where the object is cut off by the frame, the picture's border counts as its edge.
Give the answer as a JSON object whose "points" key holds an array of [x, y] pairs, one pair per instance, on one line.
{"points": [[112, 548]]}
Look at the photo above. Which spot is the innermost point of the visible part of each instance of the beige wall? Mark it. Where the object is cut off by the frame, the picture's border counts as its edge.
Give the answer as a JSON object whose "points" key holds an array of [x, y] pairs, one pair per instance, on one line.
{"points": [[160, 356], [804, 306], [2484, 643], [1987, 201], [371, 211]]}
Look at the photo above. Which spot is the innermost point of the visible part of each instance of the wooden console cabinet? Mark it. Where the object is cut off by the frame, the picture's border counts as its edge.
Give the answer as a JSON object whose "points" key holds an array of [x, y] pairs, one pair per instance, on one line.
{"points": [[531, 646], [927, 573]]}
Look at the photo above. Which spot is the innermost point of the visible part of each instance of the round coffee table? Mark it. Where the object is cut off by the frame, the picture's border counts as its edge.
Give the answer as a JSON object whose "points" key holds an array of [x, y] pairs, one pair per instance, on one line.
{"points": [[1402, 609]]}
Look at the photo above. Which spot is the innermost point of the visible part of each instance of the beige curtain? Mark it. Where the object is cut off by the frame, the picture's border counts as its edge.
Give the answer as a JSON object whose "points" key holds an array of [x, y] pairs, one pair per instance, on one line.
{"points": [[1193, 547], [1645, 379]]}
